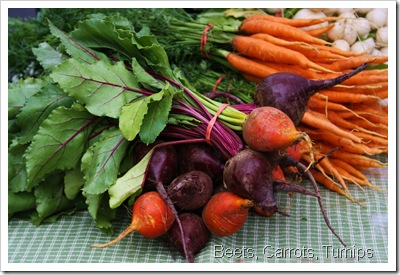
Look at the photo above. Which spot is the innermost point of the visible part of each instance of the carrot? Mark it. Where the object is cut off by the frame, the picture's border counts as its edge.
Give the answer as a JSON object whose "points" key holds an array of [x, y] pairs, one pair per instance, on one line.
{"points": [[266, 51], [322, 165], [358, 161], [250, 78], [368, 124], [353, 62], [363, 180], [336, 51], [320, 56], [337, 120], [348, 97], [345, 143], [280, 67], [372, 138], [364, 89], [319, 121], [318, 103], [291, 22], [248, 66], [320, 31], [281, 42], [329, 184], [278, 30]]}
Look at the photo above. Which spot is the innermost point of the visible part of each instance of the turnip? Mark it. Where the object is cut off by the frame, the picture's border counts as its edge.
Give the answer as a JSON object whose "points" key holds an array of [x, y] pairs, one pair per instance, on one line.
{"points": [[249, 175], [191, 190], [291, 92], [151, 218], [196, 234], [377, 17], [225, 213]]}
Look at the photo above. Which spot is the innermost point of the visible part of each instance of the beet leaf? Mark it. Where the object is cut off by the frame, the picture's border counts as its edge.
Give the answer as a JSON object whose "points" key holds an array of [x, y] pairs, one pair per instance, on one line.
{"points": [[101, 161], [59, 143]]}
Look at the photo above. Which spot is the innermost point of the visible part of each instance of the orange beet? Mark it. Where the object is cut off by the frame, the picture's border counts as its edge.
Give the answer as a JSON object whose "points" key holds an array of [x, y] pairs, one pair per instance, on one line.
{"points": [[225, 213], [151, 218]]}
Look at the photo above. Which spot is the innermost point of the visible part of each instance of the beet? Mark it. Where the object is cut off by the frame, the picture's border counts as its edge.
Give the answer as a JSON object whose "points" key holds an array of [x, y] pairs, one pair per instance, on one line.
{"points": [[203, 157], [290, 92], [226, 213], [196, 235], [191, 190], [163, 165], [249, 174]]}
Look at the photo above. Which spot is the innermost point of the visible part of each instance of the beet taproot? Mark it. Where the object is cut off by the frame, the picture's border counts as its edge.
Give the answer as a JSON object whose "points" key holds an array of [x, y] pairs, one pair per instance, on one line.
{"points": [[190, 190], [196, 234], [290, 92]]}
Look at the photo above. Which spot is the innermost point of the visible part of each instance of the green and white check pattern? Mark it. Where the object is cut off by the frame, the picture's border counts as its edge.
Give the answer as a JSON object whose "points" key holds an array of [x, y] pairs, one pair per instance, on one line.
{"points": [[301, 238]]}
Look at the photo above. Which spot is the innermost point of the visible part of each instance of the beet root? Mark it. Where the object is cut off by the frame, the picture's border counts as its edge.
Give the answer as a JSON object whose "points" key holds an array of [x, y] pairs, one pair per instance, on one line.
{"points": [[269, 129], [151, 218], [249, 174], [291, 92], [191, 190], [163, 163], [196, 235], [225, 213], [203, 157]]}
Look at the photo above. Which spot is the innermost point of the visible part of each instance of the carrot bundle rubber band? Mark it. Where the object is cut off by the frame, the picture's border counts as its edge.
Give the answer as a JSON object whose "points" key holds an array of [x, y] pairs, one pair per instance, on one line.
{"points": [[212, 122], [203, 39]]}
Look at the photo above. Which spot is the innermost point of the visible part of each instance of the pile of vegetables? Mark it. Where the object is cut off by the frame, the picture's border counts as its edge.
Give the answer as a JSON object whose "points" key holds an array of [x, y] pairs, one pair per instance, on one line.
{"points": [[114, 121]]}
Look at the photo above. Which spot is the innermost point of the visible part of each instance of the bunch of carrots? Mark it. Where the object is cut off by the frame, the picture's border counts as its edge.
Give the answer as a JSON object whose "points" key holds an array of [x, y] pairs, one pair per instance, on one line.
{"points": [[347, 123]]}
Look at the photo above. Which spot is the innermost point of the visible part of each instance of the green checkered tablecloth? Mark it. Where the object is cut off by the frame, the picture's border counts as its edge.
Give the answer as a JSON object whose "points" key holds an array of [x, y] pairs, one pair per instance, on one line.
{"points": [[301, 238]]}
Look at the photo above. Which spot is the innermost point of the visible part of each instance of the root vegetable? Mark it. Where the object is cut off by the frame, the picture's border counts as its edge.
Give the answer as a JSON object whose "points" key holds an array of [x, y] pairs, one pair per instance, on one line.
{"points": [[268, 129], [291, 92], [151, 218], [225, 213], [191, 190], [249, 175], [202, 157], [196, 234]]}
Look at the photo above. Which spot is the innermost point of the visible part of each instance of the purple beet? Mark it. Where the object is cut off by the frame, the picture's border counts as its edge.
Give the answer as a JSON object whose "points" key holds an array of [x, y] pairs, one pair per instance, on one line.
{"points": [[203, 157], [191, 190], [163, 165], [196, 234], [290, 92], [249, 175]]}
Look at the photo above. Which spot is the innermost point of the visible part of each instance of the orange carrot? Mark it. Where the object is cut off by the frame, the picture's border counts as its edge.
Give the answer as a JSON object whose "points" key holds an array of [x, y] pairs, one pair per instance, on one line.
{"points": [[359, 161], [353, 171], [319, 101], [266, 51], [248, 66], [354, 62], [372, 138], [319, 121], [299, 23], [348, 97], [329, 183], [336, 51], [250, 78], [279, 30], [320, 31], [282, 42]]}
